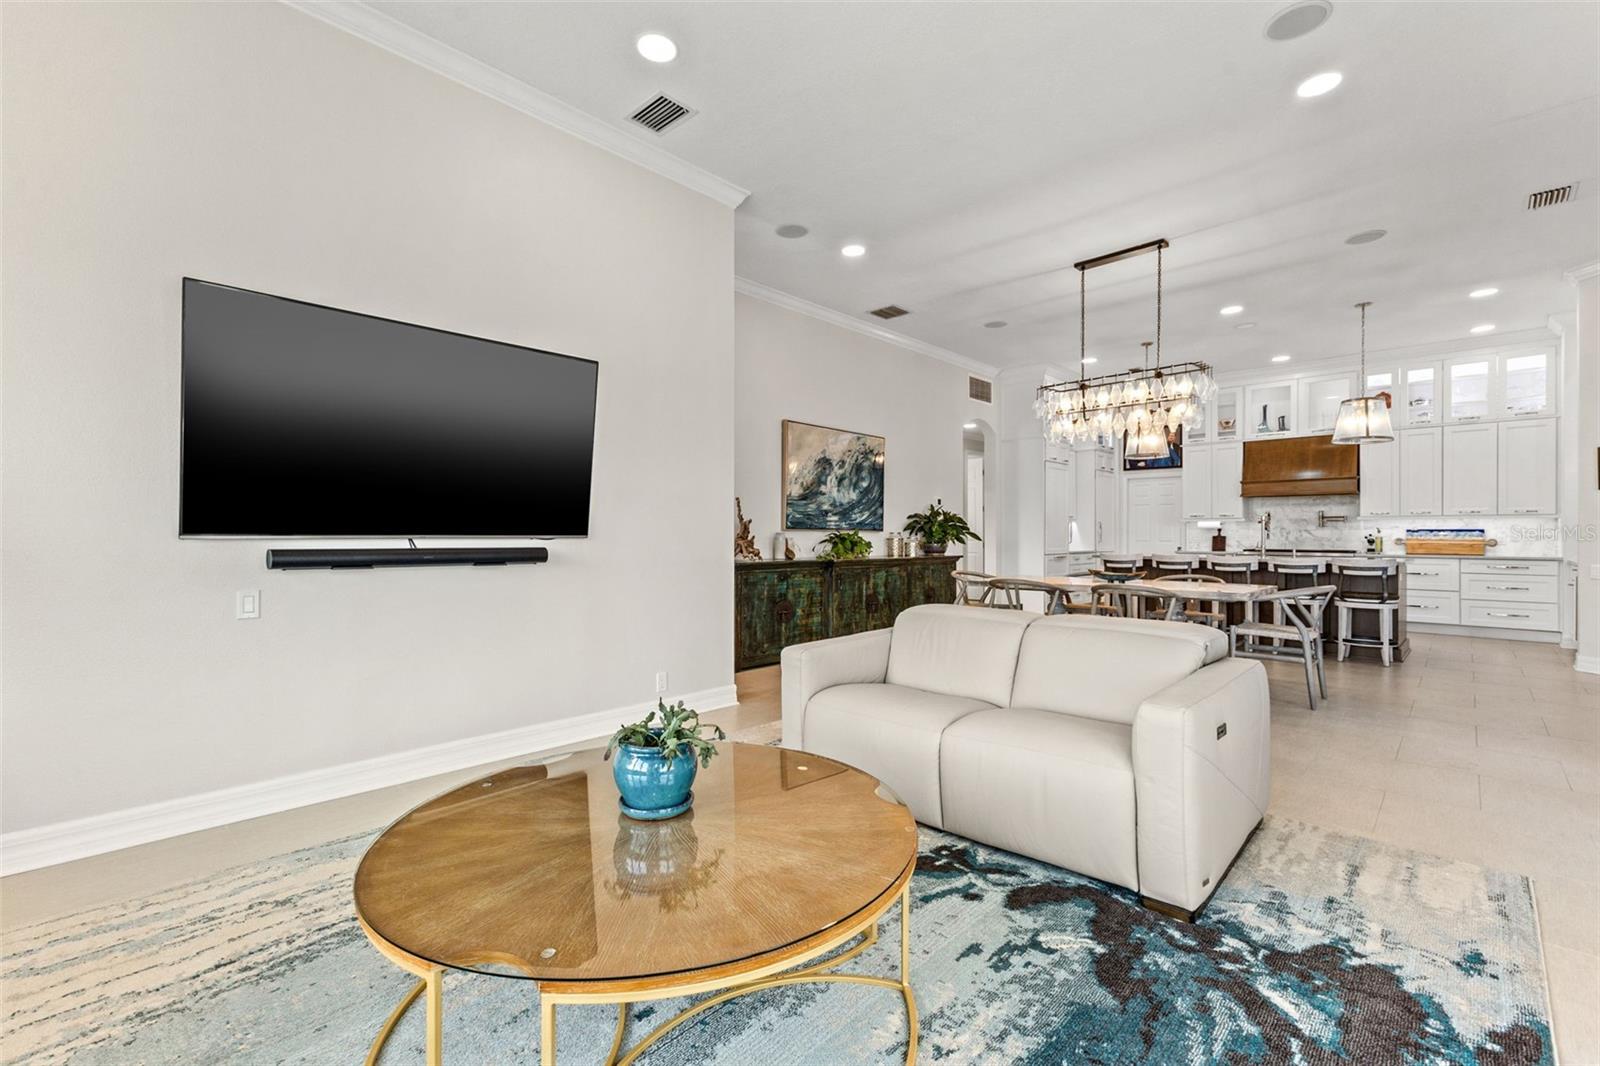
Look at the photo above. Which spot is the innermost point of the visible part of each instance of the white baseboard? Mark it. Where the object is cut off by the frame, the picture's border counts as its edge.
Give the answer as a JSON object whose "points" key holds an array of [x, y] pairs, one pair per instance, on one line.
{"points": [[1589, 664], [47, 845]]}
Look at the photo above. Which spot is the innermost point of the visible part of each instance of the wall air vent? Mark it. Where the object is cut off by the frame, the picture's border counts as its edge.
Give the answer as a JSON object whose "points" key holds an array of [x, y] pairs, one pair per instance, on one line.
{"points": [[891, 311], [980, 390], [661, 113], [1551, 197]]}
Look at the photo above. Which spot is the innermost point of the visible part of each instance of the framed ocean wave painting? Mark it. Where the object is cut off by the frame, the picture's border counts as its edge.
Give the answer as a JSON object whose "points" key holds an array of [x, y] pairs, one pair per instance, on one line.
{"points": [[832, 478]]}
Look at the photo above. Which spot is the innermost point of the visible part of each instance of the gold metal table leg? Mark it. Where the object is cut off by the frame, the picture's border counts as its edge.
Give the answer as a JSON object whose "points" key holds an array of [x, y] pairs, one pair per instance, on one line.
{"points": [[435, 1039], [547, 1031]]}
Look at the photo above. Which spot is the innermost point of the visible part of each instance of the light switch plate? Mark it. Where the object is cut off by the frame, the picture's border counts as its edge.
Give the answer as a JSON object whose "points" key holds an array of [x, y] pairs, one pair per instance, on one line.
{"points": [[247, 604]]}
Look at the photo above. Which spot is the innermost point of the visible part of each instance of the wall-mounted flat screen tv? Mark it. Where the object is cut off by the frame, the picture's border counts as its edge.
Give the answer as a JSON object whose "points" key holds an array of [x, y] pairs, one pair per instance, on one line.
{"points": [[303, 420]]}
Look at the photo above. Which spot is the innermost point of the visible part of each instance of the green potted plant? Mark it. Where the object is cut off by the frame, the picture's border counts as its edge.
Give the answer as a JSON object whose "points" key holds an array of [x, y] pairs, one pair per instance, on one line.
{"points": [[656, 763], [938, 528], [844, 544]]}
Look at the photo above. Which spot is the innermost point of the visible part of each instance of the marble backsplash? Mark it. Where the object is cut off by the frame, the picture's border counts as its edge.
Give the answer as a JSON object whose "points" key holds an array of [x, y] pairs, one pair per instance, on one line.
{"points": [[1294, 525]]}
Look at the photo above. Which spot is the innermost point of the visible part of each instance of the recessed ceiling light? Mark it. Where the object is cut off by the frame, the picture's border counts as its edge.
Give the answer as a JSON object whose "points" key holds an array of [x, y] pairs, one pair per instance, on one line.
{"points": [[1231, 309], [1487, 327], [656, 48], [853, 251], [791, 231], [1366, 236], [996, 324], [1318, 84], [1282, 358], [1090, 359], [969, 425], [1297, 20], [1480, 294]]}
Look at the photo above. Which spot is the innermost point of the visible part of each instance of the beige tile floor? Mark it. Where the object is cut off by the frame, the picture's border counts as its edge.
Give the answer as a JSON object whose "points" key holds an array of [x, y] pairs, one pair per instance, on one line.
{"points": [[1479, 750]]}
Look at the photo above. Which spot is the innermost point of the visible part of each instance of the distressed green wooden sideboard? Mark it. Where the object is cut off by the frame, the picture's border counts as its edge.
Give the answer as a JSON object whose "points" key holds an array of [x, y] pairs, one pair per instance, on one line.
{"points": [[781, 602]]}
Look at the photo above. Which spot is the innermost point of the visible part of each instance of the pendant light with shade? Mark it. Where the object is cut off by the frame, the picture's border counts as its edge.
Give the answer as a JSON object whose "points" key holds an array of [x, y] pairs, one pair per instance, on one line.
{"points": [[1363, 419]]}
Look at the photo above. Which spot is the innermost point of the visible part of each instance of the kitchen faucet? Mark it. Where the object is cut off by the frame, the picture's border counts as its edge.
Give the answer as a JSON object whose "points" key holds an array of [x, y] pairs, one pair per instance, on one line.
{"points": [[1265, 522]]}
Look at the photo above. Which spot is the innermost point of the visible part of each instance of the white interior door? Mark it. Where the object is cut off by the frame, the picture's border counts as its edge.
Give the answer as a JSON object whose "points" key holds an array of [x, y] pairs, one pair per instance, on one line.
{"points": [[1155, 510]]}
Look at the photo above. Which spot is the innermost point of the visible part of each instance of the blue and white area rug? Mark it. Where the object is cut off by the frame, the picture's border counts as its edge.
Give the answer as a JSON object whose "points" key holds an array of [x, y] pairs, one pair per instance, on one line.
{"points": [[1319, 948]]}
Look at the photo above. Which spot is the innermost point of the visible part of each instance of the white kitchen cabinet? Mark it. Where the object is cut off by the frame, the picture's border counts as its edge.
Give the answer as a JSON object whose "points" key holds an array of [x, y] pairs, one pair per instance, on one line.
{"points": [[1528, 467], [1421, 470], [1470, 391], [1525, 384], [1058, 493], [1320, 398], [1417, 402], [1197, 468], [1380, 479], [1227, 421], [1083, 502], [1108, 523], [1227, 472], [1471, 468], [1269, 409]]}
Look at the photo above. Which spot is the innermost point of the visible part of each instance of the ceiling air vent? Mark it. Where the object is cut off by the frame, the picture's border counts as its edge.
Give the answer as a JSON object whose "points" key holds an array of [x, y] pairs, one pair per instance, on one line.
{"points": [[661, 113], [1550, 197], [891, 311], [980, 390]]}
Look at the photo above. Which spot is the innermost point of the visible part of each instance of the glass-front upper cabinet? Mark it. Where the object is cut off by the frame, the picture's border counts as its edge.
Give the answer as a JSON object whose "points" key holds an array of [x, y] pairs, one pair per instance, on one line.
{"points": [[1321, 397], [1526, 378], [1419, 397], [1225, 414], [1269, 409], [1469, 382]]}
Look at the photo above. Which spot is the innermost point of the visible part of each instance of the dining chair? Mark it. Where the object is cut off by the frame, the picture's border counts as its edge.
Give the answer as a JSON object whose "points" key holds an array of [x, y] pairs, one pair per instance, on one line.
{"points": [[1007, 594], [973, 588], [1302, 610], [1109, 598]]}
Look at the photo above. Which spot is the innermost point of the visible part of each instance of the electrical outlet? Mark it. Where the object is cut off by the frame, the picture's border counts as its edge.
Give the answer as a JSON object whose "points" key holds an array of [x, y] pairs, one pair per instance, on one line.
{"points": [[661, 682], [247, 604]]}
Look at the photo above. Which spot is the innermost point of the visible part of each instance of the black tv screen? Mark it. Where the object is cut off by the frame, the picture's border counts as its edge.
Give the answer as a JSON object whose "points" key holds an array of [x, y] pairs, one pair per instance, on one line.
{"points": [[303, 420]]}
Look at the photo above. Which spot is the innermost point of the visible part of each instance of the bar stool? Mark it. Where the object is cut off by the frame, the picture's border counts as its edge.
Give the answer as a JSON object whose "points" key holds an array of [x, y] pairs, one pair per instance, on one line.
{"points": [[1165, 565], [1121, 564], [1292, 574], [1383, 601], [1235, 572]]}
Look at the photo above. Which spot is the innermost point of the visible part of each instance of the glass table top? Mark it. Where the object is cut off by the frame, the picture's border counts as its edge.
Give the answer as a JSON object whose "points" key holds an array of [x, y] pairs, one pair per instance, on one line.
{"points": [[533, 872]]}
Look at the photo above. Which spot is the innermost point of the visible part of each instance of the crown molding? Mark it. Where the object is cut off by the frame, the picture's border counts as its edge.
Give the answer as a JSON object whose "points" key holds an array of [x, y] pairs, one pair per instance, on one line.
{"points": [[791, 302], [1583, 273], [376, 28]]}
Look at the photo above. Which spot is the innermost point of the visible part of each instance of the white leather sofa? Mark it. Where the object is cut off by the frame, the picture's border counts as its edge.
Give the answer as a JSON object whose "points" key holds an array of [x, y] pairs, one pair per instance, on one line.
{"points": [[1136, 752]]}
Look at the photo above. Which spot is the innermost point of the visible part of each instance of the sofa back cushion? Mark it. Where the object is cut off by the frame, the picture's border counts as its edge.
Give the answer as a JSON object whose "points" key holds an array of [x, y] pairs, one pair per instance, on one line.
{"points": [[958, 651], [1104, 668]]}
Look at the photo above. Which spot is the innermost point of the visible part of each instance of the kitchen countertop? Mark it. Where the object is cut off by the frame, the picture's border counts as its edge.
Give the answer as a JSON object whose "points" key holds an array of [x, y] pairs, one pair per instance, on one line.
{"points": [[1347, 556]]}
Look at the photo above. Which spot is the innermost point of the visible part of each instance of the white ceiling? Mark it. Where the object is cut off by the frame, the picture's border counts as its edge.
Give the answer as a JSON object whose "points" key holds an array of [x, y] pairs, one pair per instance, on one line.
{"points": [[978, 150]]}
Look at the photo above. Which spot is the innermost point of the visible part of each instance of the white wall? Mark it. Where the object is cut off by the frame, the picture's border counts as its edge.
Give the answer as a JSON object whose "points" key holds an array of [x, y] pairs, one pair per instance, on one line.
{"points": [[252, 145], [1588, 510], [792, 365]]}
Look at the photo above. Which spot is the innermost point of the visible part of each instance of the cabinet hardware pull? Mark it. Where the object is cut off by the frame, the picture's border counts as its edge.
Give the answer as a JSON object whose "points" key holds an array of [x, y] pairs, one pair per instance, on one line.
{"points": [[1506, 614], [1423, 606], [1509, 588], [783, 610], [1504, 566]]}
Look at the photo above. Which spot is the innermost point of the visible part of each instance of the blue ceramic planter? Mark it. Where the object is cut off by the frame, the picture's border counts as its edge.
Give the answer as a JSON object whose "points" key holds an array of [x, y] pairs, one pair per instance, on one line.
{"points": [[652, 787]]}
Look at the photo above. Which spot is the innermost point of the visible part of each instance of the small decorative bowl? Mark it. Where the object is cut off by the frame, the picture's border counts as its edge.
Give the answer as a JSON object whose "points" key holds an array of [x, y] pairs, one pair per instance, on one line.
{"points": [[1225, 424], [1116, 577]]}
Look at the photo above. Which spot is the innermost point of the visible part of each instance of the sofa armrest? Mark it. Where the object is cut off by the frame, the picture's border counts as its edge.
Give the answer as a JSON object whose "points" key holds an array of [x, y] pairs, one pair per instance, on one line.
{"points": [[1202, 753], [862, 658]]}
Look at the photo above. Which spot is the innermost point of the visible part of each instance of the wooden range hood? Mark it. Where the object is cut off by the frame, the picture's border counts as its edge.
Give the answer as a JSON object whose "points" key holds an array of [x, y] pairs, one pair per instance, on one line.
{"points": [[1301, 466]]}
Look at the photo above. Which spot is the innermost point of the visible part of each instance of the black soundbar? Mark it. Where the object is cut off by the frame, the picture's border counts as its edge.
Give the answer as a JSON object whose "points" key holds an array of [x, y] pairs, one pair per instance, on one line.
{"points": [[366, 558]]}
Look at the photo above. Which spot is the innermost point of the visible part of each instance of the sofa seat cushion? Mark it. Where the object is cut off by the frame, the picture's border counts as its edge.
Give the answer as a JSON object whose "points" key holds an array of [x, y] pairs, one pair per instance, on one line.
{"points": [[1050, 786], [1088, 668], [958, 651], [891, 732]]}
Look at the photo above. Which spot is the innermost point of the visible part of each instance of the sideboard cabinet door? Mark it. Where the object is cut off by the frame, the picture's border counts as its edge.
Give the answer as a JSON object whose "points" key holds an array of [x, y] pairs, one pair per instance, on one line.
{"points": [[775, 607]]}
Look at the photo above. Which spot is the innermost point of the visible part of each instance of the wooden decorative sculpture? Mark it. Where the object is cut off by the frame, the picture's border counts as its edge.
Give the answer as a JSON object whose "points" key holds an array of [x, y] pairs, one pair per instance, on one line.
{"points": [[744, 543]]}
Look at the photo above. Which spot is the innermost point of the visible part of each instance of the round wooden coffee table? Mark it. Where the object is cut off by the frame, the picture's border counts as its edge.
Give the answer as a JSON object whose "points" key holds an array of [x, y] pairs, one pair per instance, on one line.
{"points": [[534, 874]]}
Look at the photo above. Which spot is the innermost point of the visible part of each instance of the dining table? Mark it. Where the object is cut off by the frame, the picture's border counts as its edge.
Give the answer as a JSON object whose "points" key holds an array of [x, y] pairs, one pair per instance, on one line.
{"points": [[1175, 589]]}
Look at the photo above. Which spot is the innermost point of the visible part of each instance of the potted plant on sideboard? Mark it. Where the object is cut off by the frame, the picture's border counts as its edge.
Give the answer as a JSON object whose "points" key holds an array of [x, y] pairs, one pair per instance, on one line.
{"points": [[844, 544], [938, 528], [656, 763]]}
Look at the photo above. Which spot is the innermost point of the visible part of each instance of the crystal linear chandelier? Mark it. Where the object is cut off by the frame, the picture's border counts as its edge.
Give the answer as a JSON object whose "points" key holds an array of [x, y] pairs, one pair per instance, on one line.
{"points": [[1148, 404]]}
